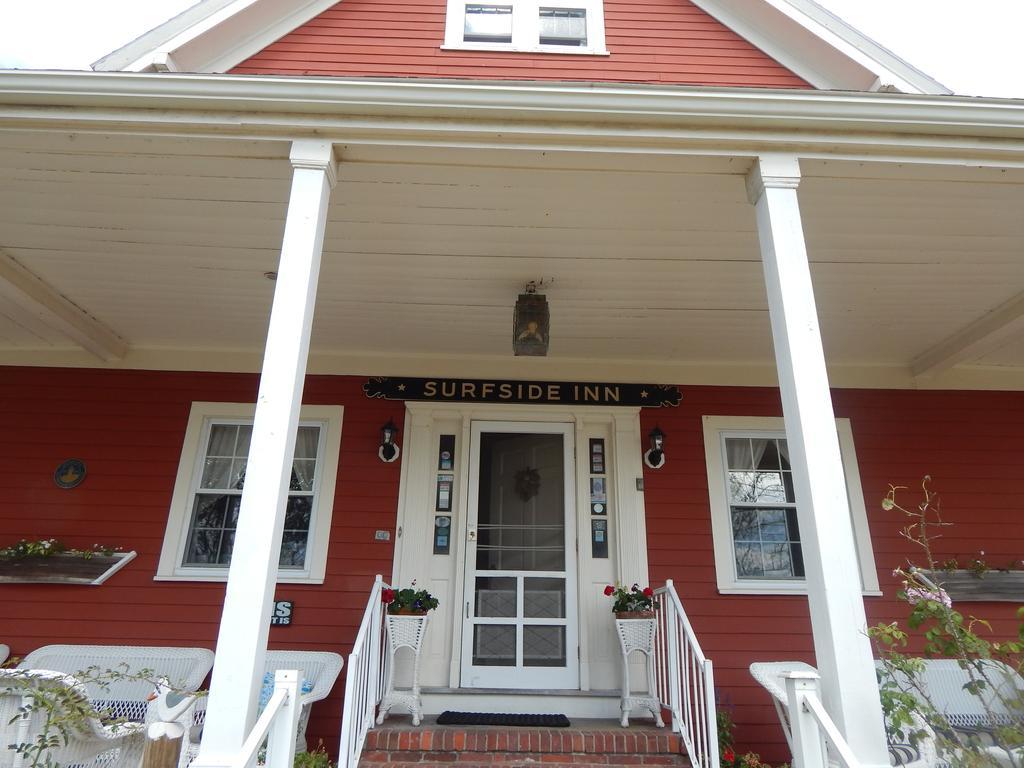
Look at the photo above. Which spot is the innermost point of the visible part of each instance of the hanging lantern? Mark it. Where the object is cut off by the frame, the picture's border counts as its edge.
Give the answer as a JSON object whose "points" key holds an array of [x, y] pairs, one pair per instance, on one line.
{"points": [[531, 323]]}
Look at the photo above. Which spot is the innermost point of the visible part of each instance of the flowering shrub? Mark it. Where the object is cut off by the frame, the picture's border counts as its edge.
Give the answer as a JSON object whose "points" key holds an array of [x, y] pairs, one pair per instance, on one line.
{"points": [[907, 702], [633, 599], [408, 599], [48, 547]]}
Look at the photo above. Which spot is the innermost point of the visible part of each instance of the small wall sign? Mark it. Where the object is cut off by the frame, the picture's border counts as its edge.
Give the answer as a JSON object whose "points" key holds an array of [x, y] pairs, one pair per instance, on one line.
{"points": [[523, 392], [69, 474], [282, 615]]}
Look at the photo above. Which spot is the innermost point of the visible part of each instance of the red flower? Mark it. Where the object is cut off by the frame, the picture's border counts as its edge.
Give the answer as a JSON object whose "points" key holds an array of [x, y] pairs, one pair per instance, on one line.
{"points": [[609, 590], [387, 595], [648, 592], [729, 756]]}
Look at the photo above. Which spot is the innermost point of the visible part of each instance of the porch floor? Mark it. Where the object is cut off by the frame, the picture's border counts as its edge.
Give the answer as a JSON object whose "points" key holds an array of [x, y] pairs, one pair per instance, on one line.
{"points": [[584, 743]]}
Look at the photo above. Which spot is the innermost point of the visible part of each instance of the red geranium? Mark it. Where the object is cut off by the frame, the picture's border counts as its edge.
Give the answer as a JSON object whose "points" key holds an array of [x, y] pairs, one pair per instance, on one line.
{"points": [[729, 756], [387, 596], [609, 590], [648, 592]]}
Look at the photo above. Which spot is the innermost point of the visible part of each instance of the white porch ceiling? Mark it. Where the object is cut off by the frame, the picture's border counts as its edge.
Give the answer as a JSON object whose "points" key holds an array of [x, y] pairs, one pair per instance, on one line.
{"points": [[165, 242]]}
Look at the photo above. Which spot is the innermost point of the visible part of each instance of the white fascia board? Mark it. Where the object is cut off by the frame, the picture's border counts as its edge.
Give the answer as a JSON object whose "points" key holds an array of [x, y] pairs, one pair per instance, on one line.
{"points": [[215, 101], [220, 35], [819, 46], [153, 41]]}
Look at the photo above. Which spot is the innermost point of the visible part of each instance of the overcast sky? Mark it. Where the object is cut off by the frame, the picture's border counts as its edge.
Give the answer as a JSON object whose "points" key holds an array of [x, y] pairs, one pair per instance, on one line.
{"points": [[971, 46]]}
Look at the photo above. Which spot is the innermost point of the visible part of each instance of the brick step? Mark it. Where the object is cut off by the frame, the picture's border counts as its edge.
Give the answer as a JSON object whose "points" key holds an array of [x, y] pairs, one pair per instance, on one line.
{"points": [[594, 743], [599, 739], [378, 759]]}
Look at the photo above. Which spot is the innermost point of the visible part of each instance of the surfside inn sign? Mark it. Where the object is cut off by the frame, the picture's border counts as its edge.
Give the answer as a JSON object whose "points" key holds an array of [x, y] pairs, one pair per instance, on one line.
{"points": [[522, 392]]}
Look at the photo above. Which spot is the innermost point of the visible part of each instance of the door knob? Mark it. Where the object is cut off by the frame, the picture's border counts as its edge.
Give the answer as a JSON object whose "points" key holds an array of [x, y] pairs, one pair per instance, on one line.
{"points": [[472, 535]]}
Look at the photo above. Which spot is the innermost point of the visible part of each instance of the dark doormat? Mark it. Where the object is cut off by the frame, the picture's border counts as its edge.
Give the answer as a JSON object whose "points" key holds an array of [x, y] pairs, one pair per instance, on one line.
{"points": [[495, 718]]}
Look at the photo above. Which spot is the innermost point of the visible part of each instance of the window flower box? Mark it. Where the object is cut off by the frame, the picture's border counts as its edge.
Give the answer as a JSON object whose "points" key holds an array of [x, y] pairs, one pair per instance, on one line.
{"points": [[971, 586], [65, 568]]}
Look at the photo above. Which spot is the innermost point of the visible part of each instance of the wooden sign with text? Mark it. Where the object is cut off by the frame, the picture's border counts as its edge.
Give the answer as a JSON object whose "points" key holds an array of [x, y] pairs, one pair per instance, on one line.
{"points": [[523, 392]]}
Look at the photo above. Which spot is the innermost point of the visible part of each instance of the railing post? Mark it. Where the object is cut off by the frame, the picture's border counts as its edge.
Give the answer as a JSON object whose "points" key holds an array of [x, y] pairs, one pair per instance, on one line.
{"points": [[373, 673], [712, 714], [285, 728], [672, 635], [806, 737]]}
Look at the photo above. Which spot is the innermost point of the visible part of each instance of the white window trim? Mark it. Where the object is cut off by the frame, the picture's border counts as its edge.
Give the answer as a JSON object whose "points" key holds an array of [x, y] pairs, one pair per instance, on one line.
{"points": [[179, 518], [721, 529], [526, 27]]}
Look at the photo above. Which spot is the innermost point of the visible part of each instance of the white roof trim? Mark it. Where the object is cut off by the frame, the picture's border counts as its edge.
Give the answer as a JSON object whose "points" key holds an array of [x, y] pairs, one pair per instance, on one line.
{"points": [[215, 35], [212, 36], [819, 46]]}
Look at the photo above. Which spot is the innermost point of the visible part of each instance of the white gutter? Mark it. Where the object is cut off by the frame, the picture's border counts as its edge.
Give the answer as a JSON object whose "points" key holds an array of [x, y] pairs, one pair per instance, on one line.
{"points": [[277, 106]]}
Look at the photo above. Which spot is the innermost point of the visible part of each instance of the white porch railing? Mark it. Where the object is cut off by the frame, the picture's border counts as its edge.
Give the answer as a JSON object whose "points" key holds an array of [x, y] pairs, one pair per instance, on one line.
{"points": [[810, 727], [364, 679], [277, 725], [686, 683]]}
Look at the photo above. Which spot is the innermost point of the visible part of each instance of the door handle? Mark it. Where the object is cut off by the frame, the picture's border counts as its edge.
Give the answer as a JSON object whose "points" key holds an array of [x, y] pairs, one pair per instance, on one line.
{"points": [[472, 535], [467, 609]]}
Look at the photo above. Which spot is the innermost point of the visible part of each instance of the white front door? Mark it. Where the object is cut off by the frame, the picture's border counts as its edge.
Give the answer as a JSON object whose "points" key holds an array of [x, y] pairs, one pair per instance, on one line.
{"points": [[520, 625]]}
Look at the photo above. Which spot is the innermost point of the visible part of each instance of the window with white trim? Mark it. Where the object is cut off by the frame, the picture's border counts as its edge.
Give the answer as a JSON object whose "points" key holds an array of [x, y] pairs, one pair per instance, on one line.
{"points": [[574, 26], [758, 547], [199, 541]]}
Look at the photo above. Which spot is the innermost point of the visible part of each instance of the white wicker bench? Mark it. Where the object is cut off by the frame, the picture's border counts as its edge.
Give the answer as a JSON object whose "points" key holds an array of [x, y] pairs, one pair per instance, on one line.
{"points": [[5, 651], [22, 721], [319, 671], [184, 668], [944, 681]]}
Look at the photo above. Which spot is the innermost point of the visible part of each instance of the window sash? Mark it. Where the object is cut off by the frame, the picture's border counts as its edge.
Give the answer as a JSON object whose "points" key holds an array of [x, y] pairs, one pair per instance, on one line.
{"points": [[573, 27], [188, 560], [715, 429]]}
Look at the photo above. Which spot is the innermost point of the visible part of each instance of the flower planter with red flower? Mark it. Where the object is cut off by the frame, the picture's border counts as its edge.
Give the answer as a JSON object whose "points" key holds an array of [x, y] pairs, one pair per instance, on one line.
{"points": [[408, 601], [406, 624], [632, 603]]}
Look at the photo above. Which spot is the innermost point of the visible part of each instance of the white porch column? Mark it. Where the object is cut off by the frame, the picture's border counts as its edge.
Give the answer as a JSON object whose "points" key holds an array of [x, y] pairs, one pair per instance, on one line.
{"points": [[245, 620], [835, 594]]}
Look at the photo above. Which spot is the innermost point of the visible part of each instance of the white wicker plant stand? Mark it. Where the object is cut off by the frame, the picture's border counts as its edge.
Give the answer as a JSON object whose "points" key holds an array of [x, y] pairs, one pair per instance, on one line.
{"points": [[638, 635], [404, 632]]}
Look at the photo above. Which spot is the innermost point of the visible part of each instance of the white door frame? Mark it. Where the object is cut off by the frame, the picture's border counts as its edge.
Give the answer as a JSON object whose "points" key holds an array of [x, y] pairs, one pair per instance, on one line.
{"points": [[519, 677]]}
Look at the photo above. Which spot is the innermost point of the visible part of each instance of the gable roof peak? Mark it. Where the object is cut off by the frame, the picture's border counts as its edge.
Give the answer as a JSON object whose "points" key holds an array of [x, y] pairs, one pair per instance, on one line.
{"points": [[213, 36]]}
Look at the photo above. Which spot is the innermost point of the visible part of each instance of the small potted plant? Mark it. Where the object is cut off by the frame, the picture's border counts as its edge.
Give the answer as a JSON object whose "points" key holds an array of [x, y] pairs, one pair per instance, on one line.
{"points": [[408, 601], [632, 603]]}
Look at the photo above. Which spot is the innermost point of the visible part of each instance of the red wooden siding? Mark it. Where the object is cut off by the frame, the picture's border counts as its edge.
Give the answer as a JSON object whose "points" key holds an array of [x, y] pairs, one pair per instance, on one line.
{"points": [[651, 41], [969, 442], [128, 428]]}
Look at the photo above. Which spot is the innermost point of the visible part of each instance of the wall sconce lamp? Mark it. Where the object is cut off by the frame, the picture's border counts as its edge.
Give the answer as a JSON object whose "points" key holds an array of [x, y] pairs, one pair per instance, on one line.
{"points": [[654, 457], [389, 450]]}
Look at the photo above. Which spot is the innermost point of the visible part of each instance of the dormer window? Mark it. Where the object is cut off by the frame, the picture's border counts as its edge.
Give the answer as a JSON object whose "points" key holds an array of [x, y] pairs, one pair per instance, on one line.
{"points": [[576, 26]]}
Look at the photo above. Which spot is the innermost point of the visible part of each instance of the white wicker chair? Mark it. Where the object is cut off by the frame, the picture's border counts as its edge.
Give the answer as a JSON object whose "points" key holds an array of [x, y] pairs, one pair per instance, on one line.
{"points": [[5, 651], [318, 669], [944, 681], [21, 722], [769, 675], [184, 668]]}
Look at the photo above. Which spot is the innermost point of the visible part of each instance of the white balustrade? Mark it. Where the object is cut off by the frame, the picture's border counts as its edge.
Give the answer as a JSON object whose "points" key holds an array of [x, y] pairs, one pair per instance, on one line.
{"points": [[364, 679], [685, 680]]}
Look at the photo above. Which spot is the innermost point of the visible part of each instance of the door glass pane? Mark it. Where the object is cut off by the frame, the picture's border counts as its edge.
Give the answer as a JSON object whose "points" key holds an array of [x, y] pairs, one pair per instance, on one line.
{"points": [[496, 597], [544, 598], [521, 507], [543, 646], [494, 645]]}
